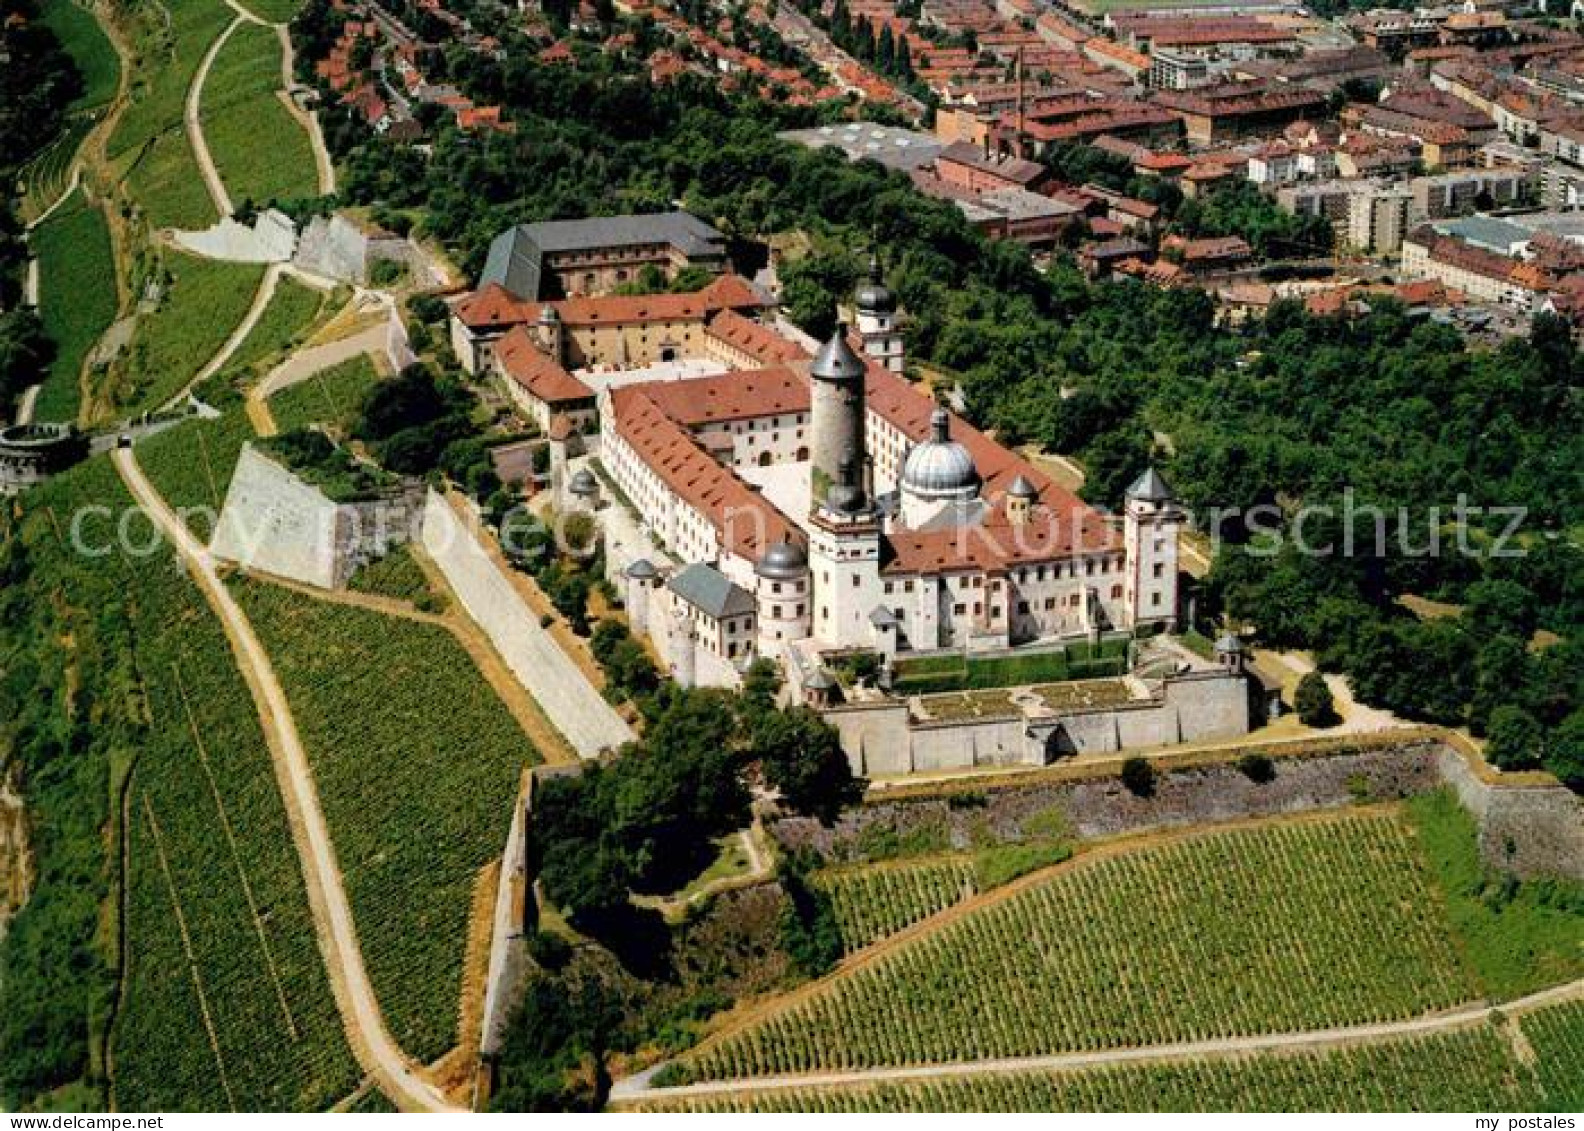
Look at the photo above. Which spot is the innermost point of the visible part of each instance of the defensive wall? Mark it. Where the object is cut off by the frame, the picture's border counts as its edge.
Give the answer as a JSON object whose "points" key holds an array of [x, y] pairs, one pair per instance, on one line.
{"points": [[1529, 823]]}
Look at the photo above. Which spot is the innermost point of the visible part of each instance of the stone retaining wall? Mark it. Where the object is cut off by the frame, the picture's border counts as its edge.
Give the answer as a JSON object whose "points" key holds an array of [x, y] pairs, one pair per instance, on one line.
{"points": [[1529, 829]]}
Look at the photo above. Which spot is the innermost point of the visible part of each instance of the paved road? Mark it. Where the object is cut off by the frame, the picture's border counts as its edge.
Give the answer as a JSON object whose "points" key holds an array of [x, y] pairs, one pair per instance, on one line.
{"points": [[30, 395], [371, 1042], [637, 1088]]}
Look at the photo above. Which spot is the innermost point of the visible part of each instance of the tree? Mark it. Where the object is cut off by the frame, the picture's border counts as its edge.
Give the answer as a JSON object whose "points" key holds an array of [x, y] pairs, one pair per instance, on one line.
{"points": [[1257, 768], [1565, 752], [1139, 777], [801, 756], [1515, 739], [1316, 708]]}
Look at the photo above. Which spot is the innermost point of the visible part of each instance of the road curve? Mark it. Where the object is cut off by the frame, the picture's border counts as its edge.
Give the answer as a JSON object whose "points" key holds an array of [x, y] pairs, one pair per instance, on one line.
{"points": [[194, 121], [371, 1042], [637, 1088]]}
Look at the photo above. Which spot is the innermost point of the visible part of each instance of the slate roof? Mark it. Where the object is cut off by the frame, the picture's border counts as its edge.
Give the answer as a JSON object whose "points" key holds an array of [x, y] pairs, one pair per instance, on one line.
{"points": [[516, 256], [711, 591]]}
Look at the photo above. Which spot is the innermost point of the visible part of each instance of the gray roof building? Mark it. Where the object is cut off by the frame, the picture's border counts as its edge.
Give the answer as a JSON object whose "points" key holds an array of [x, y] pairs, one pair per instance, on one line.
{"points": [[892, 146], [516, 256], [711, 592]]}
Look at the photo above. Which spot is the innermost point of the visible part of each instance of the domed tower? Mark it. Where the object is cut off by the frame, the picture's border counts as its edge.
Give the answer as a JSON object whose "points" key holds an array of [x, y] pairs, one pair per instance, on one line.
{"points": [[836, 394], [1151, 520], [642, 577], [939, 480], [781, 592], [877, 321]]}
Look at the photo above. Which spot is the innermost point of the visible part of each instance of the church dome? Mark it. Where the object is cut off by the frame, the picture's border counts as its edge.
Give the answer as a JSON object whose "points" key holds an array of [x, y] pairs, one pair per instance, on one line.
{"points": [[940, 468], [783, 562]]}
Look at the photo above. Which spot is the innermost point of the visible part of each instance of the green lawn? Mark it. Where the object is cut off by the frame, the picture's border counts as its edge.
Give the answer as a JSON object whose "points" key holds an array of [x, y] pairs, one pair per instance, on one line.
{"points": [[286, 321], [90, 48], [149, 145], [261, 151], [417, 763], [332, 397], [1518, 937], [206, 301], [77, 297]]}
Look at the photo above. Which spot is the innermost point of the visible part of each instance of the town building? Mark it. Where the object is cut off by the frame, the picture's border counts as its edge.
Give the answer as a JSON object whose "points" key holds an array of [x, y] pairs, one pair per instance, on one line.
{"points": [[557, 258]]}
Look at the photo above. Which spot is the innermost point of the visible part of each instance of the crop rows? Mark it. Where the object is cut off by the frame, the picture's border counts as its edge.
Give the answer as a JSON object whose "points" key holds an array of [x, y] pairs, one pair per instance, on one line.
{"points": [[205, 304], [1557, 1037], [1463, 1071], [872, 903], [149, 144], [1278, 927], [241, 106], [206, 833], [290, 314], [417, 763], [332, 397], [77, 297]]}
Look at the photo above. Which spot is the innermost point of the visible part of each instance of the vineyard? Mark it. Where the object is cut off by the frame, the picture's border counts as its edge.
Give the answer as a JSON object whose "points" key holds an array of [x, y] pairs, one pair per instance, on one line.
{"points": [[1557, 1036], [1461, 1071], [206, 301], [398, 576], [149, 146], [225, 1000], [417, 764], [191, 465], [240, 106], [874, 902], [332, 397], [1259, 929], [291, 313], [77, 297]]}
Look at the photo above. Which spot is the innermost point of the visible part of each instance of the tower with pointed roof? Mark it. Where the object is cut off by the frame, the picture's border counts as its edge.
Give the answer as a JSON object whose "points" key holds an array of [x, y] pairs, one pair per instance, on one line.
{"points": [[836, 411], [876, 322], [1151, 521]]}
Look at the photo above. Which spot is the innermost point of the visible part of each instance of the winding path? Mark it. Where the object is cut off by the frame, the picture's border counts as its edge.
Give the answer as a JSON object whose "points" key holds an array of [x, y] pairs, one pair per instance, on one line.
{"points": [[371, 1042], [261, 301], [637, 1088], [194, 122]]}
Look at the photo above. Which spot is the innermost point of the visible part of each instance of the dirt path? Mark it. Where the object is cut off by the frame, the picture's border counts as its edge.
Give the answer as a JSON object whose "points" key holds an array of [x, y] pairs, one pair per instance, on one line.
{"points": [[261, 300], [194, 121], [304, 365], [371, 1042], [637, 1089], [71, 187], [323, 166]]}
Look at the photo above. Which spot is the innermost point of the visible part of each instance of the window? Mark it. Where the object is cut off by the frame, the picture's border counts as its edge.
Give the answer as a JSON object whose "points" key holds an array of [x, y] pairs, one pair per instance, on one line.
{"points": [[959, 608], [907, 586], [775, 611], [1022, 608], [890, 587], [1159, 568], [1155, 599], [1116, 591], [1050, 603], [775, 587], [857, 581], [800, 610]]}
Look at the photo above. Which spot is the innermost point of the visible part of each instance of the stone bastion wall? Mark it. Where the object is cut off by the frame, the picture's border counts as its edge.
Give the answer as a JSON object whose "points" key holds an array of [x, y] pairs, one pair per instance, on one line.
{"points": [[1528, 829]]}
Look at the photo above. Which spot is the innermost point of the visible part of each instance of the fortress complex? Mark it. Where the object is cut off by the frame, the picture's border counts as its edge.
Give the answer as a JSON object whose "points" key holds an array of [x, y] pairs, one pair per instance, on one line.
{"points": [[785, 496]]}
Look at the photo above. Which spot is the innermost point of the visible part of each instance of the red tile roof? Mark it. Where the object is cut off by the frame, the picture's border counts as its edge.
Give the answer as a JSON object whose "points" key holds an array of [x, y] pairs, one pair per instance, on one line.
{"points": [[524, 363], [755, 339]]}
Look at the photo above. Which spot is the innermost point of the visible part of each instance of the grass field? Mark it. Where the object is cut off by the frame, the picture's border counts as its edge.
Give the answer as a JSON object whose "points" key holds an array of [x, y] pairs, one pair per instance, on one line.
{"points": [[149, 145], [417, 763], [294, 310], [46, 176], [332, 397], [205, 302], [77, 297], [1275, 927], [217, 920], [1517, 937], [1461, 1071], [90, 48], [240, 108]]}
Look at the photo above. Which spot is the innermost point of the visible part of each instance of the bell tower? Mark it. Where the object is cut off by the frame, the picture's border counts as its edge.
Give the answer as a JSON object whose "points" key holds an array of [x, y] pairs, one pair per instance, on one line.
{"points": [[1150, 522], [876, 308]]}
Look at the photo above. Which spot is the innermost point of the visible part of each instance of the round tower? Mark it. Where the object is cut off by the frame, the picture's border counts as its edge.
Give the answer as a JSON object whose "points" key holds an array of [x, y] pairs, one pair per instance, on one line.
{"points": [[781, 592], [1151, 520], [641, 576], [837, 412]]}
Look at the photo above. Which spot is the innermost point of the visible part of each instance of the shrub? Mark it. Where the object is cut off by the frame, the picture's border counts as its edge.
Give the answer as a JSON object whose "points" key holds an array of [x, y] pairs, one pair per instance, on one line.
{"points": [[1257, 768], [1516, 739], [1316, 708], [1139, 777]]}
